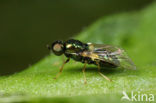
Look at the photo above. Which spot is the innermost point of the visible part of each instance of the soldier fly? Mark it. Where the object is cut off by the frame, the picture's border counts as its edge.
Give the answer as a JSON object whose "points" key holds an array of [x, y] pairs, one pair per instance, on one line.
{"points": [[88, 53]]}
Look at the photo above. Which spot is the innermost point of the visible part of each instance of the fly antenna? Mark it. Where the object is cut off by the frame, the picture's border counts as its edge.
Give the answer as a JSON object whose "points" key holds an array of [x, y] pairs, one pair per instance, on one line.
{"points": [[49, 48]]}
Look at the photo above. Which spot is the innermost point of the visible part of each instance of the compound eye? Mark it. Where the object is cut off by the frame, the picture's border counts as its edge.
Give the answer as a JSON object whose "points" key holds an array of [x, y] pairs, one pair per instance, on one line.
{"points": [[58, 47]]}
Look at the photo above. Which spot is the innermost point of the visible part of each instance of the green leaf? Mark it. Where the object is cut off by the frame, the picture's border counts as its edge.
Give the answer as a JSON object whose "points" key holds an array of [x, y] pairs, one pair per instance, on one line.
{"points": [[134, 31]]}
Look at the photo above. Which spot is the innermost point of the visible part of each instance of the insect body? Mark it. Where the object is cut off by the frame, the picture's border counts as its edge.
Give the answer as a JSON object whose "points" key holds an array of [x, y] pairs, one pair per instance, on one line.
{"points": [[88, 53]]}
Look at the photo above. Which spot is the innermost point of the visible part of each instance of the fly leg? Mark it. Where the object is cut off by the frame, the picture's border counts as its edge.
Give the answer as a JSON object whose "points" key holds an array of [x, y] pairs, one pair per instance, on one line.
{"points": [[101, 73], [83, 70], [61, 69]]}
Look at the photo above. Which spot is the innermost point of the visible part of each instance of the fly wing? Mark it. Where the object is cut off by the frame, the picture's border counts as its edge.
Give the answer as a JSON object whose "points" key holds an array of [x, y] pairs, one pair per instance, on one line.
{"points": [[113, 55]]}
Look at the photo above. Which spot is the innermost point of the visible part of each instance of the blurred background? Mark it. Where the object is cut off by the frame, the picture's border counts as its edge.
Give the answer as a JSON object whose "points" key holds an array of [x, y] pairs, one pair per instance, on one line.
{"points": [[27, 26]]}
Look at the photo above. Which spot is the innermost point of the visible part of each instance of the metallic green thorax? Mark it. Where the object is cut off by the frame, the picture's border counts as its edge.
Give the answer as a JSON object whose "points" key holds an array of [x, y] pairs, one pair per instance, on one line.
{"points": [[73, 48]]}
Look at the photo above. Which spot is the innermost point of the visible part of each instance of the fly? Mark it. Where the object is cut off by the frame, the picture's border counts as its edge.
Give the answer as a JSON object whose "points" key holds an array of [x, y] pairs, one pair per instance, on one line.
{"points": [[89, 53]]}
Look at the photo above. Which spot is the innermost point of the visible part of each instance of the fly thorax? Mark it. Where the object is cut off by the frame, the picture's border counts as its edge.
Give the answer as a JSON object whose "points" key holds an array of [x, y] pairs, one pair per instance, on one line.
{"points": [[73, 52], [74, 48]]}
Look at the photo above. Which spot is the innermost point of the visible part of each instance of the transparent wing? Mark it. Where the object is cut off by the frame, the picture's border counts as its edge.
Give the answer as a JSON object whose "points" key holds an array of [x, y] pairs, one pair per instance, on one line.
{"points": [[113, 55]]}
